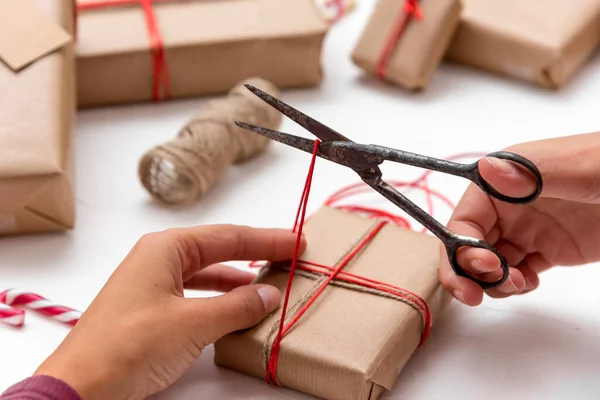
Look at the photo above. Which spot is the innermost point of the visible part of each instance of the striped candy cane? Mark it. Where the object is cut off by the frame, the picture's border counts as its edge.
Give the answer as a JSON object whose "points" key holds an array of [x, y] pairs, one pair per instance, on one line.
{"points": [[11, 316], [16, 297]]}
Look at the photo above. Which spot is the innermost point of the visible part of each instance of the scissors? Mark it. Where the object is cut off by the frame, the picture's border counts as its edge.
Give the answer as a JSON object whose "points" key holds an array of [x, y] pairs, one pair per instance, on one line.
{"points": [[365, 159]]}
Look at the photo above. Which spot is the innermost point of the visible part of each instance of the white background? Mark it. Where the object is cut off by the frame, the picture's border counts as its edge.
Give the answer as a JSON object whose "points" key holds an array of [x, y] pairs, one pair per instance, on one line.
{"points": [[542, 345]]}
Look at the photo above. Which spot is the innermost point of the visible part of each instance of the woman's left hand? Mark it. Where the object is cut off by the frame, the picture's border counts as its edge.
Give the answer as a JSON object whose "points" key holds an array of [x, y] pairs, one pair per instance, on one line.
{"points": [[140, 334]]}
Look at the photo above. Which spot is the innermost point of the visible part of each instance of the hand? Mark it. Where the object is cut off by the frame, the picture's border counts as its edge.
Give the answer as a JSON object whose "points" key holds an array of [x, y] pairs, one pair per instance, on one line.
{"points": [[140, 334], [562, 227]]}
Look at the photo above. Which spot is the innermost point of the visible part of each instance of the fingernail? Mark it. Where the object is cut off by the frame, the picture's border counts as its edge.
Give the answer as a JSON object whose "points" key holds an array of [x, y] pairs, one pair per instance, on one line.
{"points": [[479, 266], [508, 286], [270, 297], [459, 296], [506, 167]]}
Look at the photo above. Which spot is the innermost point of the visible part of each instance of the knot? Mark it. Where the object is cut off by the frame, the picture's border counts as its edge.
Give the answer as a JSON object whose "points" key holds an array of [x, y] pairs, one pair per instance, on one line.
{"points": [[412, 7]]}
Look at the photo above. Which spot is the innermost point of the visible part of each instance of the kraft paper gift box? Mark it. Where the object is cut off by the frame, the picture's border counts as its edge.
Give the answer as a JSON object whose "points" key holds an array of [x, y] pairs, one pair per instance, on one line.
{"points": [[544, 42], [208, 46], [404, 41], [350, 344], [37, 111]]}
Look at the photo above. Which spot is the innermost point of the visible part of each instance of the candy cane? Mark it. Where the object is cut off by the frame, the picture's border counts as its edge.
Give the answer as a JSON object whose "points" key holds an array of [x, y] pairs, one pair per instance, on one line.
{"points": [[16, 297], [11, 316]]}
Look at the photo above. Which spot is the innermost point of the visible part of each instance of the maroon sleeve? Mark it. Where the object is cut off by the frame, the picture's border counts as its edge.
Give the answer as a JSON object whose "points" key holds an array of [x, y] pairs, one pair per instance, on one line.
{"points": [[40, 388]]}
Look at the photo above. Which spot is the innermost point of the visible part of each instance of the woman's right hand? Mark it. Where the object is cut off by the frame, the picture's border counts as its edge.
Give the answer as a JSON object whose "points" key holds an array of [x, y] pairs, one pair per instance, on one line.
{"points": [[562, 227]]}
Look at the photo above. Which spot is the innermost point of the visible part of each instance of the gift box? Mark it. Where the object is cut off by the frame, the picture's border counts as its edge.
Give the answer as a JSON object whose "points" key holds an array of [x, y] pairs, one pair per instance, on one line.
{"points": [[404, 41], [544, 42], [355, 337], [149, 50], [37, 111]]}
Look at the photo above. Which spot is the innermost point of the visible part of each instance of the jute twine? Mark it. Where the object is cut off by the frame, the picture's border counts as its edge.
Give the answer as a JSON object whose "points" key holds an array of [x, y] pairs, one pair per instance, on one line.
{"points": [[184, 169], [318, 279]]}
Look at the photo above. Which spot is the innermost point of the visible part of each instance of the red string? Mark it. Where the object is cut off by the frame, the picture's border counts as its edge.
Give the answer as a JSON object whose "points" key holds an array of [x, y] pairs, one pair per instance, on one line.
{"points": [[410, 10], [361, 187], [273, 358], [337, 273], [407, 295], [271, 374], [157, 48]]}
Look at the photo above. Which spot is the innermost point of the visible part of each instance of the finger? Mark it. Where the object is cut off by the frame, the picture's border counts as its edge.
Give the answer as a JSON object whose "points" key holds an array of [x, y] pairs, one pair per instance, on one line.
{"points": [[567, 164], [468, 223], [461, 288], [532, 280], [514, 254], [537, 263], [493, 235], [232, 242], [220, 278], [191, 249], [474, 216], [477, 261], [514, 284], [241, 308], [507, 177]]}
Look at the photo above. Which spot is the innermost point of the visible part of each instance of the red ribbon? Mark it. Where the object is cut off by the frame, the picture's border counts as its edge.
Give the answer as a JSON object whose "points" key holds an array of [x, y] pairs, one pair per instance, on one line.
{"points": [[410, 10], [159, 62]]}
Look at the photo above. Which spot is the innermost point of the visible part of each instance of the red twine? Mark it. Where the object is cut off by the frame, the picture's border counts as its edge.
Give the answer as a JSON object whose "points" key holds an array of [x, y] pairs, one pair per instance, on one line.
{"points": [[157, 50], [337, 273], [410, 10]]}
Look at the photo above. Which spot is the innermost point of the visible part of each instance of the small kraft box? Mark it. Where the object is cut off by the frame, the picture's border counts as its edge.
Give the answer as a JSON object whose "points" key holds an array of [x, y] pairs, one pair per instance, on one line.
{"points": [[152, 50], [352, 335], [543, 42], [404, 41]]}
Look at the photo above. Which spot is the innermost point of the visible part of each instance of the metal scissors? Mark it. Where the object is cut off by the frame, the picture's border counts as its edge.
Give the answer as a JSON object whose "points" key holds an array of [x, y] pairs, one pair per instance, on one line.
{"points": [[365, 159]]}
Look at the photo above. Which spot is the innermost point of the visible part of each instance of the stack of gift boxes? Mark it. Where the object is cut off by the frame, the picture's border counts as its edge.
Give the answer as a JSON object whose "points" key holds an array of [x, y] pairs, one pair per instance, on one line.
{"points": [[543, 42], [59, 56]]}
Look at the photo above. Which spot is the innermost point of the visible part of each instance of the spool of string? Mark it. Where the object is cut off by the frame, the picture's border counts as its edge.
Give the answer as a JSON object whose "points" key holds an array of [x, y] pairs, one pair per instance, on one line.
{"points": [[184, 169]]}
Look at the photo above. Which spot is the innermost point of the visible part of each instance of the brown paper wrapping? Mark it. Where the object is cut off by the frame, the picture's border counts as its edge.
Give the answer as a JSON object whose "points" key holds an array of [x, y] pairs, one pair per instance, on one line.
{"points": [[543, 42], [421, 47], [209, 46], [349, 345], [37, 110]]}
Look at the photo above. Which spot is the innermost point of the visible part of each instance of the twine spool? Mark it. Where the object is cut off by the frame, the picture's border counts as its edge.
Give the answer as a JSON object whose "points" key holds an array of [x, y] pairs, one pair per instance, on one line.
{"points": [[184, 169]]}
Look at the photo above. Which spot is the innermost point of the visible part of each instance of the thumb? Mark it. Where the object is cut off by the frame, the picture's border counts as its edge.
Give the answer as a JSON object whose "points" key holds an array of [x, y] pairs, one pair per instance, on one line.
{"points": [[241, 308], [507, 177], [569, 166]]}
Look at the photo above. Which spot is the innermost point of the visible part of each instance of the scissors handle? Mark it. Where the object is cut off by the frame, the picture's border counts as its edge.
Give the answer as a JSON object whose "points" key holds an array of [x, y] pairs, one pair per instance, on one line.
{"points": [[454, 242], [472, 173], [375, 154], [451, 240]]}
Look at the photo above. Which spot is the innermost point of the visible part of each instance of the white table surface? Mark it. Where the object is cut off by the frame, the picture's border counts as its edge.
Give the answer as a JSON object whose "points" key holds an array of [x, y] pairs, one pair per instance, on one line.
{"points": [[542, 345]]}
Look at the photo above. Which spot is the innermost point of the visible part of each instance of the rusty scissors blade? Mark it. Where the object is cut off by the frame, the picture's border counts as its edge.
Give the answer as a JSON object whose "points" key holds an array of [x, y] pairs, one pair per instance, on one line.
{"points": [[365, 159], [324, 133], [326, 150]]}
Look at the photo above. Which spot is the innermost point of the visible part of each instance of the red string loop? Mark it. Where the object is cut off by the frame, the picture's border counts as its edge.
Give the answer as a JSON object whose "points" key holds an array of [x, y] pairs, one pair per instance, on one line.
{"points": [[157, 49]]}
